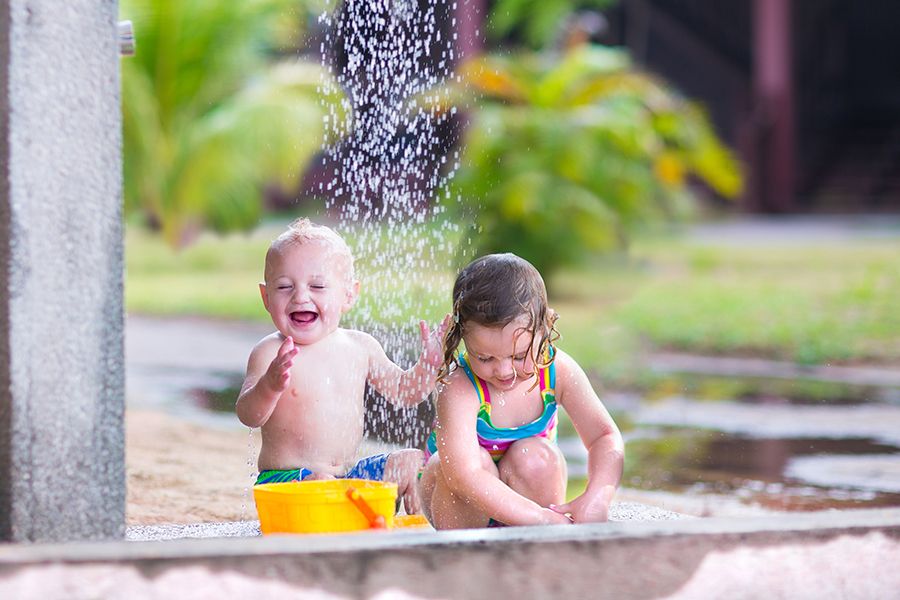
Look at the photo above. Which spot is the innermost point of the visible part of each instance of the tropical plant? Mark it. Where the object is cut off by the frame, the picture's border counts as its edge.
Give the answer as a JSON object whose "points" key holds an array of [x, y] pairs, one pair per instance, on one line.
{"points": [[566, 155], [208, 119]]}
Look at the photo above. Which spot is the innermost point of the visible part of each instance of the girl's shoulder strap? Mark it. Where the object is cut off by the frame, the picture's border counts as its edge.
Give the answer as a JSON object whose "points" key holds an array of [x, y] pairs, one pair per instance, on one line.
{"points": [[547, 375], [484, 396]]}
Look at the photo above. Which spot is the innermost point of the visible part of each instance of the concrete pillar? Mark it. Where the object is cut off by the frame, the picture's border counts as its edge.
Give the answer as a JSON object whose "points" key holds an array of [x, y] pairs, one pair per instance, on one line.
{"points": [[61, 314]]}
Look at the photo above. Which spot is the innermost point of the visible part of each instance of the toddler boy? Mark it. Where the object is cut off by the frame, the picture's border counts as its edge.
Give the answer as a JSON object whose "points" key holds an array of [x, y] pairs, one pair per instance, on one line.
{"points": [[305, 382]]}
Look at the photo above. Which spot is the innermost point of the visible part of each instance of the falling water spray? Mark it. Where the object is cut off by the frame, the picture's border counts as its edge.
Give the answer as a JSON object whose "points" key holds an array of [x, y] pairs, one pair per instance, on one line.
{"points": [[391, 147]]}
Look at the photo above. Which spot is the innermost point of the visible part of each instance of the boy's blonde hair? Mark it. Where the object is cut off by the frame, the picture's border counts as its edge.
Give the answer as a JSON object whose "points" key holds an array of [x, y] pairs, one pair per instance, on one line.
{"points": [[303, 231]]}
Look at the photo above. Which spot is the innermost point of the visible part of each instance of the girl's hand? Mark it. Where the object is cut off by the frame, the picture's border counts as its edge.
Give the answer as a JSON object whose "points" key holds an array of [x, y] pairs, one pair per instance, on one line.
{"points": [[589, 507], [553, 516], [278, 375], [433, 343]]}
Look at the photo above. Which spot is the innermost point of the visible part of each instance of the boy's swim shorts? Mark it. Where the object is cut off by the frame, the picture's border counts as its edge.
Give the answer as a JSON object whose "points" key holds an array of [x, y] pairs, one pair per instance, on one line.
{"points": [[371, 467]]}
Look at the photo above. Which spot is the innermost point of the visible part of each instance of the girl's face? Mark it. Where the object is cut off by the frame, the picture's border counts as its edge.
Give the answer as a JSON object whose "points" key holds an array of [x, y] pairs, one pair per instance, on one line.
{"points": [[501, 355]]}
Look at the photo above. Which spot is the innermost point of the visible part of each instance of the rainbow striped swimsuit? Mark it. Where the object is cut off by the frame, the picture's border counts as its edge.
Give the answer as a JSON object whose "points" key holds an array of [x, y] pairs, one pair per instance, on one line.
{"points": [[497, 440]]}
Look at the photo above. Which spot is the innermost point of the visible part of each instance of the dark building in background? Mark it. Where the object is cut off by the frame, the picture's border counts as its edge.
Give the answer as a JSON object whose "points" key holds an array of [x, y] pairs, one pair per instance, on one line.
{"points": [[807, 91]]}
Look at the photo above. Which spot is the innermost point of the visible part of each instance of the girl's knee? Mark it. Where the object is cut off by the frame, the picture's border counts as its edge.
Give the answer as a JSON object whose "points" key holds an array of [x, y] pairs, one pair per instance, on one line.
{"points": [[431, 473], [429, 476], [532, 459]]}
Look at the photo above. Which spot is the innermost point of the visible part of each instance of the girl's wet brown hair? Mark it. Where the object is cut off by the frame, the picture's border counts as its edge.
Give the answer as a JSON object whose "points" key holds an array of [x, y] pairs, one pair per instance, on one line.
{"points": [[493, 291]]}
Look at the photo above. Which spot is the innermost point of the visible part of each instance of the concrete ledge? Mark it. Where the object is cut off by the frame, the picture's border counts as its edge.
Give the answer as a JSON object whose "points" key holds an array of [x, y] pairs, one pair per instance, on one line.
{"points": [[619, 511], [851, 554]]}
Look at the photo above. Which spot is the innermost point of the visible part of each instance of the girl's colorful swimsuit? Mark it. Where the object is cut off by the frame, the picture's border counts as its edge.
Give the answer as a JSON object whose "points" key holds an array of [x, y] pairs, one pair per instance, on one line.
{"points": [[497, 440]]}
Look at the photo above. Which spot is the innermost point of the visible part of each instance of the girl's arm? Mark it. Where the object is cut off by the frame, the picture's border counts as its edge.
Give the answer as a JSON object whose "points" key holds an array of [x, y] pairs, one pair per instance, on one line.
{"points": [[462, 461], [410, 387], [268, 376], [598, 433]]}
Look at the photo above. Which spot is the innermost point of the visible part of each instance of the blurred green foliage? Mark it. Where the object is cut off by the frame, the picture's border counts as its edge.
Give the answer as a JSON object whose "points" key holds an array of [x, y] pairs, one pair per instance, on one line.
{"points": [[566, 154], [537, 22], [210, 116]]}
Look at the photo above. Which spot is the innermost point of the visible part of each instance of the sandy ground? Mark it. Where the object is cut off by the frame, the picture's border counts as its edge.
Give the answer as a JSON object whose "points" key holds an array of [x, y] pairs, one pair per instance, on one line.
{"points": [[183, 473], [179, 472]]}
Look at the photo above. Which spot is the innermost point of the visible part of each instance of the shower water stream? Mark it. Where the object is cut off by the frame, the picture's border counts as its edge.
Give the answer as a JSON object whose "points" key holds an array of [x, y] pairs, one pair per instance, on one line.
{"points": [[391, 149]]}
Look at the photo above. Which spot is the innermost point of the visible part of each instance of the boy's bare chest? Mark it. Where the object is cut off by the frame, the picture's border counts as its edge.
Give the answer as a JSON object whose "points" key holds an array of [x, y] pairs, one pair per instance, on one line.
{"points": [[327, 383]]}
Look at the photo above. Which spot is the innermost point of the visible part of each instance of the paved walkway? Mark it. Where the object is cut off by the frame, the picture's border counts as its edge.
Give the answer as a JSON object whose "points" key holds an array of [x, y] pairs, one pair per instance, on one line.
{"points": [[168, 357], [668, 362], [799, 229], [188, 342]]}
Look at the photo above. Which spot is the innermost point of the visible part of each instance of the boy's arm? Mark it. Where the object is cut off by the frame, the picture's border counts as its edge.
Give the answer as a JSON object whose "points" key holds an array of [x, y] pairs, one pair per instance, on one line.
{"points": [[412, 386], [600, 436], [268, 376]]}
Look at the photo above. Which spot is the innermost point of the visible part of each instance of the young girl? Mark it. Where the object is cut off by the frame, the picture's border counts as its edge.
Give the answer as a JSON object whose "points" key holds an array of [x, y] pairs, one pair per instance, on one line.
{"points": [[494, 459]]}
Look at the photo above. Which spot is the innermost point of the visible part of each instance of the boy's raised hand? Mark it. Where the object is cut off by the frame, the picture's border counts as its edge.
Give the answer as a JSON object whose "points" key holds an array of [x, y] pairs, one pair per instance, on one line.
{"points": [[433, 342], [278, 375]]}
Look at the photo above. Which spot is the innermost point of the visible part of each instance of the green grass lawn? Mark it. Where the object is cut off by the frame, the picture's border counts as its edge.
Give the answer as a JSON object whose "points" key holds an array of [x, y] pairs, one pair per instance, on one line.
{"points": [[219, 276], [215, 276], [813, 304]]}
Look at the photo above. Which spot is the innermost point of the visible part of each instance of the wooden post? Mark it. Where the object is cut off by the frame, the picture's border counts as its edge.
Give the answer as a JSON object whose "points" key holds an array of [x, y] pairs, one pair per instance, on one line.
{"points": [[774, 105], [470, 16]]}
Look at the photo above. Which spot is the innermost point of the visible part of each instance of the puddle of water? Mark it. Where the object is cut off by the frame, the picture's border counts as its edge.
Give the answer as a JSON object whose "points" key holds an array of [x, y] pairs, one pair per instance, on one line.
{"points": [[219, 400], [787, 456], [776, 473], [200, 396]]}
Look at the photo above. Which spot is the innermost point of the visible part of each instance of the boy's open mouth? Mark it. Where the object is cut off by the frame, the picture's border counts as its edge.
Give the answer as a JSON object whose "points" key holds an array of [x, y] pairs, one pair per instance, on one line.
{"points": [[303, 317]]}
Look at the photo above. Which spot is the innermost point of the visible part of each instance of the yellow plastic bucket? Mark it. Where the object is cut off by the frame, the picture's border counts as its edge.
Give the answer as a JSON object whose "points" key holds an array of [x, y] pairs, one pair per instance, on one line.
{"points": [[322, 506]]}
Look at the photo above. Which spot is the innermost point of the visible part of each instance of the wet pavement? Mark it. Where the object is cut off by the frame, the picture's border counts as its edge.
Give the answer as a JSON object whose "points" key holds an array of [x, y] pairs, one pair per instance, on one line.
{"points": [[169, 359], [878, 422]]}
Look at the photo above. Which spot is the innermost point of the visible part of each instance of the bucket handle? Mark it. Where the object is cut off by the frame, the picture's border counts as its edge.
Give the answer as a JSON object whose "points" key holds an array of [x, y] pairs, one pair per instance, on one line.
{"points": [[376, 521]]}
